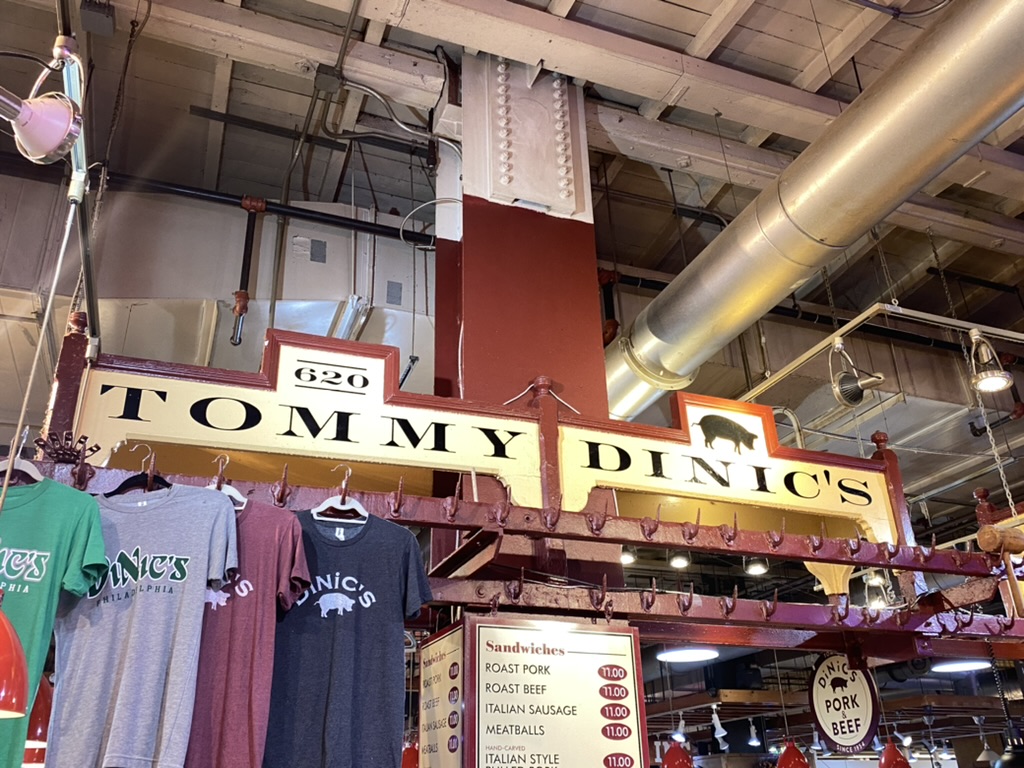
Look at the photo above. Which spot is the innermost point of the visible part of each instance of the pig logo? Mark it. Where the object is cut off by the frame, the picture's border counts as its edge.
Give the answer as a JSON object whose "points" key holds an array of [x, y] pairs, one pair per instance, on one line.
{"points": [[334, 601], [216, 598], [838, 684], [715, 427]]}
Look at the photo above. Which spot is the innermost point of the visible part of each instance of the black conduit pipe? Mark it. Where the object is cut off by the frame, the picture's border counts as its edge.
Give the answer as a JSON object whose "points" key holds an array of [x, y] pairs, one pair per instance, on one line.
{"points": [[242, 294]]}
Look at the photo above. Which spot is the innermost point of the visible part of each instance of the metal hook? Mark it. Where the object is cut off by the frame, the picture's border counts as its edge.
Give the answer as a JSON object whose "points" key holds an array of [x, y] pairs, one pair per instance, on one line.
{"points": [[870, 615], [690, 530], [649, 527], [729, 534], [647, 597], [595, 523], [343, 489], [551, 515], [840, 611], [775, 539], [451, 504], [149, 453], [597, 598], [817, 542], [923, 554], [280, 491], [903, 615], [222, 462], [768, 609], [853, 546], [961, 623], [728, 604], [890, 550], [514, 589], [609, 610], [396, 498], [685, 601], [503, 509]]}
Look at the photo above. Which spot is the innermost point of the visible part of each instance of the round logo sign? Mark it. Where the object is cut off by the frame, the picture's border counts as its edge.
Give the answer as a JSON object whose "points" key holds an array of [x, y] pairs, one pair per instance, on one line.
{"points": [[844, 702]]}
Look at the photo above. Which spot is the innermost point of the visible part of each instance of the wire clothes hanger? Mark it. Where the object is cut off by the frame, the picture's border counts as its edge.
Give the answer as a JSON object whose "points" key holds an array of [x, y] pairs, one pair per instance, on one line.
{"points": [[219, 484], [21, 471], [340, 506], [147, 479]]}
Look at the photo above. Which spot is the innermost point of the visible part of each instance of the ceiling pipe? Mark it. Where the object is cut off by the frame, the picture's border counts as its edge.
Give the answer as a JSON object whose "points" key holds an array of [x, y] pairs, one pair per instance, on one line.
{"points": [[960, 80]]}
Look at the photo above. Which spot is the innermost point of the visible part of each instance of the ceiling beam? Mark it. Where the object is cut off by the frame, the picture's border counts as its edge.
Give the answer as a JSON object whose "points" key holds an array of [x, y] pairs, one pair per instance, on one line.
{"points": [[560, 7], [721, 21], [840, 49]]}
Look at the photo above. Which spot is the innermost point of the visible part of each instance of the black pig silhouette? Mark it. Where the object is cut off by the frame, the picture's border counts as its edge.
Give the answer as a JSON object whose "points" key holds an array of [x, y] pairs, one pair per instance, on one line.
{"points": [[838, 683], [714, 427]]}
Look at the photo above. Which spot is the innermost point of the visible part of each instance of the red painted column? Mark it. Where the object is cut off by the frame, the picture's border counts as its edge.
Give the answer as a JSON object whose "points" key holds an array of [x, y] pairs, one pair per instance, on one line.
{"points": [[520, 293]]}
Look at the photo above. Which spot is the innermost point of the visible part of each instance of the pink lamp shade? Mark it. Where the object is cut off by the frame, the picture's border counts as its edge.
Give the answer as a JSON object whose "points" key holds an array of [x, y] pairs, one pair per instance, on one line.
{"points": [[792, 757], [892, 757], [13, 671], [411, 755], [676, 757], [39, 718]]}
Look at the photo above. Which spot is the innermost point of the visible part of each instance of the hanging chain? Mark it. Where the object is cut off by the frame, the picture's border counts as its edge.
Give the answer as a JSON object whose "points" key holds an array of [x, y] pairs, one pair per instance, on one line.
{"points": [[999, 685], [975, 398], [831, 298], [889, 285]]}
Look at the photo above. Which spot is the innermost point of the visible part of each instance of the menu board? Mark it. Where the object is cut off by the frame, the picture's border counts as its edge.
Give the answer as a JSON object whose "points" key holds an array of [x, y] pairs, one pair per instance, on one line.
{"points": [[442, 701], [557, 695]]}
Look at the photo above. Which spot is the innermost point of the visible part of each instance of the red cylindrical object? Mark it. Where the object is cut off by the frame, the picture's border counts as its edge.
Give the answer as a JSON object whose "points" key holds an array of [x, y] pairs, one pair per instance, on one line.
{"points": [[13, 670]]}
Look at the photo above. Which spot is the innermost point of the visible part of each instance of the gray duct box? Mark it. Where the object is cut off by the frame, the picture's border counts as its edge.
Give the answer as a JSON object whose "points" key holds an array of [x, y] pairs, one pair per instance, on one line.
{"points": [[98, 17]]}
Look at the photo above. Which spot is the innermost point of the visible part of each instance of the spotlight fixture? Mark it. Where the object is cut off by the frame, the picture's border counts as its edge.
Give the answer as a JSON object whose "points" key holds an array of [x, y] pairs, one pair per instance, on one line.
{"points": [[773, 749], [45, 126], [686, 655], [911, 755], [988, 755], [945, 753], [679, 560], [720, 732], [929, 746], [987, 375], [628, 556], [815, 741], [722, 744], [904, 740], [679, 734], [876, 744], [849, 386], [753, 740], [960, 665], [874, 578], [755, 566]]}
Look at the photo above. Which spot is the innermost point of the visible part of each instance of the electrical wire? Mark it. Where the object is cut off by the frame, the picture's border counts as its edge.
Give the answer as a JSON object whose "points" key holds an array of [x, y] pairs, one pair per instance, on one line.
{"points": [[435, 201], [898, 13], [32, 57]]}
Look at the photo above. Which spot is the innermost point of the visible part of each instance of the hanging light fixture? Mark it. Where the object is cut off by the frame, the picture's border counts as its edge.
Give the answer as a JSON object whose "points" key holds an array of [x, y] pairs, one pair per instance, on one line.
{"points": [[792, 757], [849, 386], [945, 753], [753, 741], [815, 740], [720, 732], [904, 740], [988, 755], [874, 578], [39, 719], [1013, 750], [628, 556], [722, 744], [676, 757], [45, 126], [987, 375], [892, 757], [773, 749], [679, 560], [688, 654], [911, 755], [679, 734], [13, 670], [755, 566], [876, 743]]}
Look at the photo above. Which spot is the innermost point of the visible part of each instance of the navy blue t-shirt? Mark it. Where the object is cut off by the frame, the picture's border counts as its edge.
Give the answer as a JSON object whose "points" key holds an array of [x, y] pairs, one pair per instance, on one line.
{"points": [[339, 660]]}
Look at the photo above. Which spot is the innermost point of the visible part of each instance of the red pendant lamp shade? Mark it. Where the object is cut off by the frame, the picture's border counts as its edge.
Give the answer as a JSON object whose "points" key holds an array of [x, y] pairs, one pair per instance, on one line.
{"points": [[34, 757], [13, 671], [892, 757], [792, 757], [676, 757], [39, 719], [411, 755]]}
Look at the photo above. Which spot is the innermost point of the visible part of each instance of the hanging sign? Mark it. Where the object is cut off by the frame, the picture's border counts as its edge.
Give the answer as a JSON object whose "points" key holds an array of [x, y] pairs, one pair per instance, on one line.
{"points": [[844, 703], [556, 695], [442, 700]]}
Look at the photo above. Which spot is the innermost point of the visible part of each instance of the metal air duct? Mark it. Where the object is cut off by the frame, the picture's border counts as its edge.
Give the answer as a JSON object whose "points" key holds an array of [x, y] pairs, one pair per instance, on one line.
{"points": [[961, 79]]}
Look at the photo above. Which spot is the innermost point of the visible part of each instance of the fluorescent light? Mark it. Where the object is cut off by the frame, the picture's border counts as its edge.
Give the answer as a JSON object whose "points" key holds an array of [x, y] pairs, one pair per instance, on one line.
{"points": [[961, 665], [686, 655]]}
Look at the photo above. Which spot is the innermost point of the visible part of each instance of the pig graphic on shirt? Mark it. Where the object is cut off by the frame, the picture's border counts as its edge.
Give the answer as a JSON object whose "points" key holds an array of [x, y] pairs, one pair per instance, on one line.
{"points": [[216, 598], [334, 601]]}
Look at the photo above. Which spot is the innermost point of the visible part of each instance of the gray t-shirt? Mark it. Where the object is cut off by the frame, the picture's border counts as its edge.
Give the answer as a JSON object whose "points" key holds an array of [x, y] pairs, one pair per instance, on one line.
{"points": [[127, 652], [338, 695]]}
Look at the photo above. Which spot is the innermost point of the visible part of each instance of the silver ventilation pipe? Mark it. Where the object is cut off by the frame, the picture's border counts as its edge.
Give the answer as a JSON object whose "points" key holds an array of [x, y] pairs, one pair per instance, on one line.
{"points": [[961, 79]]}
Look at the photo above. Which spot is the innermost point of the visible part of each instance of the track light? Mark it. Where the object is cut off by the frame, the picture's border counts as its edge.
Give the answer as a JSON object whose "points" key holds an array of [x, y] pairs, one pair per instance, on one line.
{"points": [[988, 755], [753, 741], [628, 556], [945, 754], [849, 386], [722, 744], [45, 127], [987, 375], [755, 566], [904, 740], [679, 560], [720, 732], [815, 741], [876, 744]]}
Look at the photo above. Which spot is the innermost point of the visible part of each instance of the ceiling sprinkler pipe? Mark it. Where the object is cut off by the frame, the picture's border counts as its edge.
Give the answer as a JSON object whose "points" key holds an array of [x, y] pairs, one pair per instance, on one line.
{"points": [[899, 134]]}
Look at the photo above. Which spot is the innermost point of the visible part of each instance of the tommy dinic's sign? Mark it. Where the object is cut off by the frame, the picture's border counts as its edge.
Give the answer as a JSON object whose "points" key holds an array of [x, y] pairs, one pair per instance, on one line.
{"points": [[324, 398]]}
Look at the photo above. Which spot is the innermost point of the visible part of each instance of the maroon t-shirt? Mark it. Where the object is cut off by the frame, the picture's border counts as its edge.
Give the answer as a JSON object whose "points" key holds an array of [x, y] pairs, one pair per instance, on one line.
{"points": [[229, 724]]}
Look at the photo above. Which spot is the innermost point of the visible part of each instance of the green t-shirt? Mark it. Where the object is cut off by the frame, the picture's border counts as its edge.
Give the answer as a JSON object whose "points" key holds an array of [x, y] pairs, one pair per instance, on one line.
{"points": [[50, 539]]}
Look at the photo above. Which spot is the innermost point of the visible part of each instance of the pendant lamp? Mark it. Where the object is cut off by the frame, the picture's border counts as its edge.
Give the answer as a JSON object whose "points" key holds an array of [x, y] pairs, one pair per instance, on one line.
{"points": [[892, 757], [676, 757], [792, 757], [39, 718], [34, 757], [13, 670]]}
